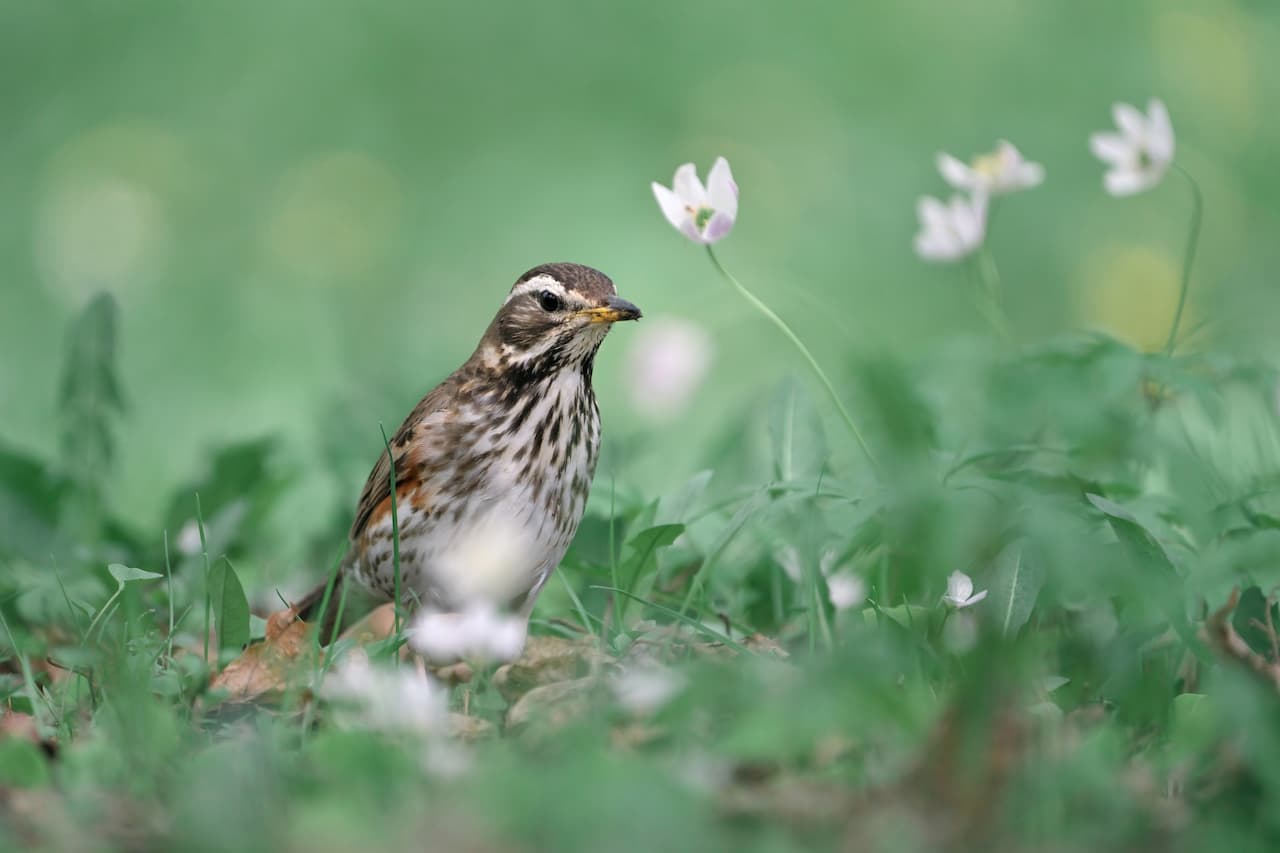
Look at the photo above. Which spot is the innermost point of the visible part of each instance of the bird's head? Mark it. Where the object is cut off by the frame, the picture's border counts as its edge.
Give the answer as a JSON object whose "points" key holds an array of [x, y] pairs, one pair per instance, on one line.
{"points": [[556, 315]]}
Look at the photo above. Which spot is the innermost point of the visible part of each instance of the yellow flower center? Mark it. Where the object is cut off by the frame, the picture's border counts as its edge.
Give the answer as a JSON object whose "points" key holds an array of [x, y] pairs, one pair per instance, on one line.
{"points": [[988, 165]]}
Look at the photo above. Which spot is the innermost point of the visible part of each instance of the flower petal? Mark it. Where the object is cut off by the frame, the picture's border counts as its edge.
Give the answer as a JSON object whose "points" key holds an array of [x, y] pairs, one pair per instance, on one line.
{"points": [[1122, 182], [1030, 175], [688, 187], [959, 586], [1111, 148], [722, 191], [937, 246], [1159, 132], [956, 173], [969, 219], [672, 208], [938, 238], [717, 227], [932, 213], [975, 598], [1130, 120]]}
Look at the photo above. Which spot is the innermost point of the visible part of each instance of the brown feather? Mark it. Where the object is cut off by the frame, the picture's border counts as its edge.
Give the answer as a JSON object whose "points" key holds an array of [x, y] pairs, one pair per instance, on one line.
{"points": [[408, 454]]}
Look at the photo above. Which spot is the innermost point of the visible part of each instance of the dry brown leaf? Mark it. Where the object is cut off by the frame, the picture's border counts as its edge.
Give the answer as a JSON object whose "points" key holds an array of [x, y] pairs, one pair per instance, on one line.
{"points": [[636, 735], [455, 673], [15, 724], [468, 728], [269, 668], [1219, 633], [763, 645], [379, 624]]}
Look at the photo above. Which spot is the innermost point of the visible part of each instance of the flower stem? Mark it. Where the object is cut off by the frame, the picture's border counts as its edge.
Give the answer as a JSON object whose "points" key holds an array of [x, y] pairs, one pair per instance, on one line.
{"points": [[1193, 240], [799, 345], [991, 298]]}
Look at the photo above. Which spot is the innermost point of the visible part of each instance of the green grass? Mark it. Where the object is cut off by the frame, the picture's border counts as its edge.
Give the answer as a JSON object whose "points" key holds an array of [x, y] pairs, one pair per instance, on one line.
{"points": [[1110, 501]]}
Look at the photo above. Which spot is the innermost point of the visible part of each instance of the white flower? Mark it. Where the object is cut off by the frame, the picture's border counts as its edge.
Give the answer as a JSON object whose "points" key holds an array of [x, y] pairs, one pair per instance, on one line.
{"points": [[479, 634], [1002, 171], [846, 590], [960, 591], [950, 231], [188, 541], [389, 700], [1140, 153], [643, 690], [703, 214], [667, 361]]}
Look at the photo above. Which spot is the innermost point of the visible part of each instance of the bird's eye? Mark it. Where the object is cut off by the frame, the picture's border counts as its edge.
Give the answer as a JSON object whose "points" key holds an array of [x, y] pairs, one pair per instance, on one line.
{"points": [[549, 301]]}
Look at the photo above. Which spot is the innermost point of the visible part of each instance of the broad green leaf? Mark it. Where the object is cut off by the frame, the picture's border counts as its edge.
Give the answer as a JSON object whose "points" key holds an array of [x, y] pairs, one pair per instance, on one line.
{"points": [[1014, 588], [230, 606], [796, 435], [126, 574], [910, 616], [644, 547], [1195, 724], [1131, 532], [22, 764], [1153, 564], [89, 399]]}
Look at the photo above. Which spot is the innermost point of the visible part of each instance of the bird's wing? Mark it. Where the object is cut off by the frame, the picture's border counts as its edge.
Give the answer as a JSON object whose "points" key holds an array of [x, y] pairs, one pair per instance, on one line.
{"points": [[408, 447]]}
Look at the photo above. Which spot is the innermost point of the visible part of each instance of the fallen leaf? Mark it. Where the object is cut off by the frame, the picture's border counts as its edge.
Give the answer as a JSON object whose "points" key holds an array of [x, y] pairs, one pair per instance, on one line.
{"points": [[266, 670], [454, 674], [379, 624], [468, 728], [15, 724]]}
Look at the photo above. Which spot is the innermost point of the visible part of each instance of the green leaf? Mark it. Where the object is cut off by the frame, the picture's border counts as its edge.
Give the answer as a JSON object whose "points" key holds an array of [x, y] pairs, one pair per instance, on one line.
{"points": [[644, 543], [89, 399], [1195, 725], [644, 547], [126, 574], [1132, 533], [1154, 566], [910, 616], [1014, 588], [230, 605], [796, 435], [22, 764]]}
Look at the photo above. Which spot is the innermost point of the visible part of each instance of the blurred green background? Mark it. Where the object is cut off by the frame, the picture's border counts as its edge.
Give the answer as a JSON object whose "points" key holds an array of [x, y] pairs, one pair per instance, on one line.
{"points": [[309, 211]]}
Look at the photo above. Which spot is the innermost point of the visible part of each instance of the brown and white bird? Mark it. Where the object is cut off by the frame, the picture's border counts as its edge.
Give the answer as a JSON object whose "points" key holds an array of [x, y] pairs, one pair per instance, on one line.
{"points": [[493, 466]]}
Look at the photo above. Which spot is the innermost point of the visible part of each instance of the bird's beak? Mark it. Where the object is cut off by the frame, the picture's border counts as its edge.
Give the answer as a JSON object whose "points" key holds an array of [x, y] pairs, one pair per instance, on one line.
{"points": [[612, 311]]}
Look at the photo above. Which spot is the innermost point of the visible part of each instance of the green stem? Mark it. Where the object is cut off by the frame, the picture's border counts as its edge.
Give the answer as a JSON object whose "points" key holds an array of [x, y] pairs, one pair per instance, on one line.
{"points": [[804, 351], [208, 600], [989, 278], [101, 613], [1193, 240]]}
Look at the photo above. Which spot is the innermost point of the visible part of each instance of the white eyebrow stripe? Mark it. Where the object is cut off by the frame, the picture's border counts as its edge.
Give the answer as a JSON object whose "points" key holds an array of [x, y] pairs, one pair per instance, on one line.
{"points": [[538, 282]]}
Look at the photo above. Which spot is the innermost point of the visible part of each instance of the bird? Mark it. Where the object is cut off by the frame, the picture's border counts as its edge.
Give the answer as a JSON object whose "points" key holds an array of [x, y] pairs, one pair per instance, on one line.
{"points": [[493, 467]]}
